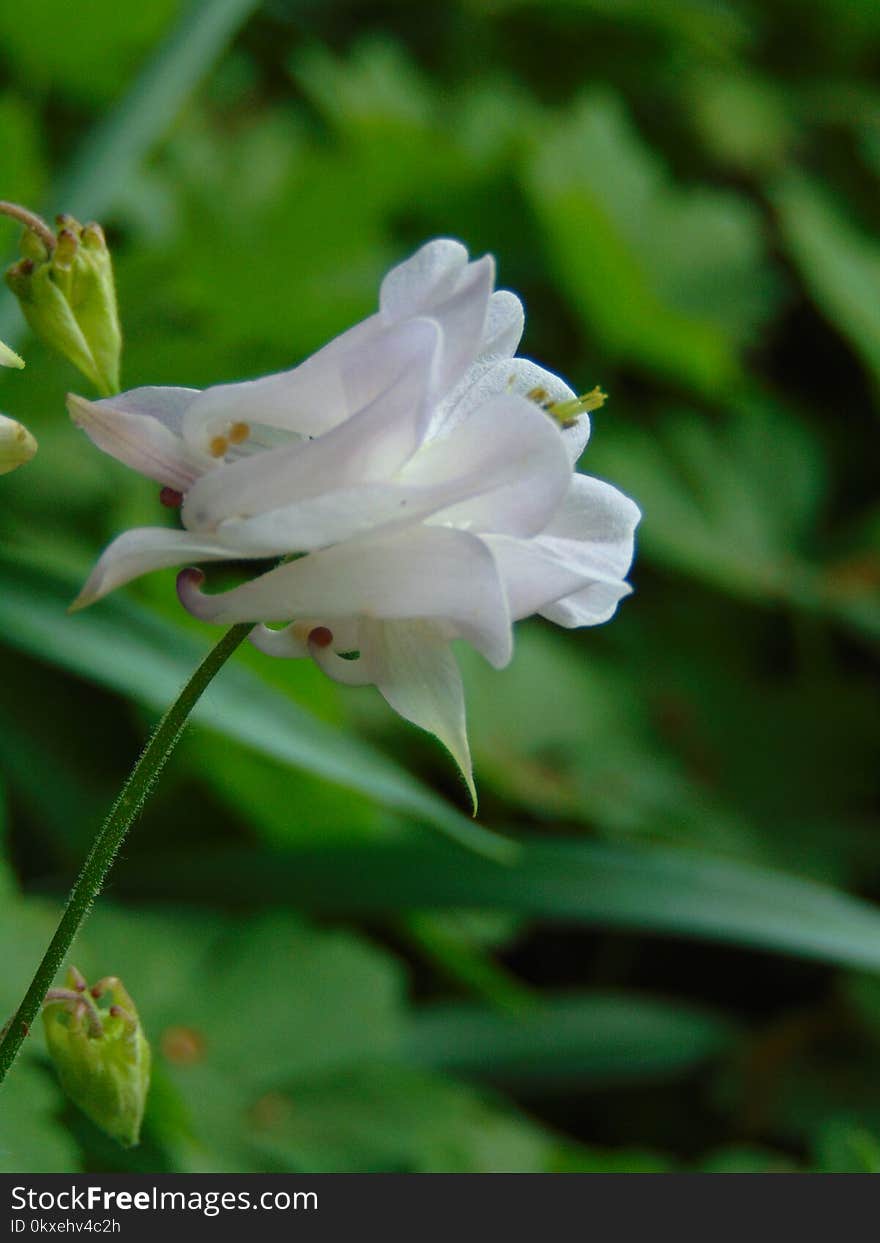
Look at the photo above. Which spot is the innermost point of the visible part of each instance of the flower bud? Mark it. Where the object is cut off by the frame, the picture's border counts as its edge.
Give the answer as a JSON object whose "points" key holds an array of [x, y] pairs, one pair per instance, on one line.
{"points": [[100, 1052], [9, 358], [17, 445], [68, 297]]}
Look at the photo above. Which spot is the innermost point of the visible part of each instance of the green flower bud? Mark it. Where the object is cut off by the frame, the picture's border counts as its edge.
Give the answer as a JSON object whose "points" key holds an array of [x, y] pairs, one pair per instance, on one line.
{"points": [[9, 358], [17, 445], [68, 297], [100, 1052]]}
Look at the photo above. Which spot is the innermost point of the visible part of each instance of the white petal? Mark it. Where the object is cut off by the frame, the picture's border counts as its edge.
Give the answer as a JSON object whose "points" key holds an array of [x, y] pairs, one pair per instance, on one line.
{"points": [[488, 378], [367, 448], [588, 607], [140, 441], [423, 281], [462, 318], [424, 572], [168, 405], [504, 325], [415, 670], [327, 389], [143, 549], [596, 511], [540, 571], [515, 456]]}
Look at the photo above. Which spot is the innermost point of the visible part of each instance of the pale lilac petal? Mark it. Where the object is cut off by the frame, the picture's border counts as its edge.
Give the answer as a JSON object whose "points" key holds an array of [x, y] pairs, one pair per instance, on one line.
{"points": [[489, 378], [423, 281], [368, 448], [462, 318], [424, 572], [346, 375], [541, 571], [144, 549], [596, 511], [591, 606], [516, 462], [414, 668], [504, 325], [168, 405], [139, 441]]}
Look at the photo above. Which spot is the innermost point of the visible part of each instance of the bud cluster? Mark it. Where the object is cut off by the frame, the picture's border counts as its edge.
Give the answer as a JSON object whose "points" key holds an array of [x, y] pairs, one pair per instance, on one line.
{"points": [[68, 296], [100, 1052]]}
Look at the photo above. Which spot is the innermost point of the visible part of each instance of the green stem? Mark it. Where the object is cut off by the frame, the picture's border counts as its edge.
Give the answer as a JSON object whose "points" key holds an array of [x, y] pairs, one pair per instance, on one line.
{"points": [[131, 799]]}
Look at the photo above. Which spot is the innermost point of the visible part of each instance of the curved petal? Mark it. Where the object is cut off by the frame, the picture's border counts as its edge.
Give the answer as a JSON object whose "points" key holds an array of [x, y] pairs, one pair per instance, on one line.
{"points": [[139, 441], [143, 549], [591, 606], [516, 459], [519, 376], [596, 511], [504, 325], [367, 448], [416, 671], [166, 404], [423, 281], [323, 391], [424, 572], [539, 572], [462, 318]]}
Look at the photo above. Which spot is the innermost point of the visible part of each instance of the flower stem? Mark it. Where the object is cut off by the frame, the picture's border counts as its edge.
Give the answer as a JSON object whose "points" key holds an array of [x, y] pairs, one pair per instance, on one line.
{"points": [[30, 220], [131, 799]]}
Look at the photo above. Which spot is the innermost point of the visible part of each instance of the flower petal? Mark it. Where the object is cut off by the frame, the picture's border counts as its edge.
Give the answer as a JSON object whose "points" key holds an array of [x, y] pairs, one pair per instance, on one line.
{"points": [[367, 448], [346, 375], [515, 459], [416, 671], [489, 378], [422, 281], [504, 325], [143, 549], [424, 572], [583, 553], [140, 441], [591, 606]]}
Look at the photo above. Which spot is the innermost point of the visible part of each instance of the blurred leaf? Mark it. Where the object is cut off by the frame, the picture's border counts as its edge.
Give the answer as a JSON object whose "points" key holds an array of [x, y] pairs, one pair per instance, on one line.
{"points": [[839, 264], [32, 1139], [843, 1146], [669, 279], [672, 892], [392, 1118], [565, 1042], [123, 647], [732, 504]]}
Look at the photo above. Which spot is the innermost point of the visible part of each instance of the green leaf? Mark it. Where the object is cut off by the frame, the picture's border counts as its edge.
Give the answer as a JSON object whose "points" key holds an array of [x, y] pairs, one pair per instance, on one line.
{"points": [[392, 1118], [667, 278], [839, 264], [569, 1041], [32, 1138], [127, 649], [672, 892]]}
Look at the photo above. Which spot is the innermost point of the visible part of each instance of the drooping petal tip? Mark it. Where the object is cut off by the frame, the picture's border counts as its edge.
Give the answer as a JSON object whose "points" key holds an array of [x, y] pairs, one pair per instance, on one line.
{"points": [[189, 583]]}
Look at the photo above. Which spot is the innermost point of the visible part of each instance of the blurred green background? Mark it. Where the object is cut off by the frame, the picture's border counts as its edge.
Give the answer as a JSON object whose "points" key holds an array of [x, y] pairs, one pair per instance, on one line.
{"points": [[681, 971]]}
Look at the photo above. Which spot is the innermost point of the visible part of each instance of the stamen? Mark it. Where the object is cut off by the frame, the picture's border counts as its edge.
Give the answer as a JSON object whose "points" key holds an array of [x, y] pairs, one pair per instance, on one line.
{"points": [[218, 446], [321, 636], [238, 433], [567, 413], [171, 498]]}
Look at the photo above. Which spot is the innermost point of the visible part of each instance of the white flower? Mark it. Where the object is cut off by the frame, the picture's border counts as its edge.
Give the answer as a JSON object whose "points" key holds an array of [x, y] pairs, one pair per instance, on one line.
{"points": [[415, 464]]}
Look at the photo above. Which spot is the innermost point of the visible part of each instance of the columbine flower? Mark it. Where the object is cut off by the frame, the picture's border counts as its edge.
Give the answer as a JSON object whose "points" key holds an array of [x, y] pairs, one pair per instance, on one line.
{"points": [[422, 475]]}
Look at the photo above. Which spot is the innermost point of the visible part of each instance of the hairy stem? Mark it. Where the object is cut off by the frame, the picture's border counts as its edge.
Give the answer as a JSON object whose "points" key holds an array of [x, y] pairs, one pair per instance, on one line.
{"points": [[131, 799]]}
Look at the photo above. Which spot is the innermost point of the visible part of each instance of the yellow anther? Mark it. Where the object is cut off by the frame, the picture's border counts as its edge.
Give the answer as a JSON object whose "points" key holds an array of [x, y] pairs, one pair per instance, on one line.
{"points": [[567, 412], [218, 446], [540, 395], [238, 433]]}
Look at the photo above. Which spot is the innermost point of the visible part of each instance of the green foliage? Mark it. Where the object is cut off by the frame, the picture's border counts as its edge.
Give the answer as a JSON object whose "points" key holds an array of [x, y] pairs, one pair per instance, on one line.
{"points": [[678, 968]]}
